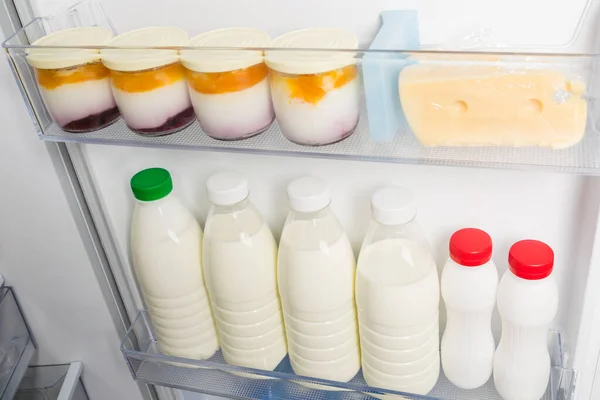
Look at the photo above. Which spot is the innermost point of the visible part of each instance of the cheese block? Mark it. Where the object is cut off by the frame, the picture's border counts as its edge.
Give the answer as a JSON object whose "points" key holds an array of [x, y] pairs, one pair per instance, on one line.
{"points": [[482, 105]]}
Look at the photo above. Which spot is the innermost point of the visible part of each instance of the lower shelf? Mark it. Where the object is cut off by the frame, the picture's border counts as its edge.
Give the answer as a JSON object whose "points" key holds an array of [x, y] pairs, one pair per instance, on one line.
{"points": [[16, 344], [215, 377], [52, 382]]}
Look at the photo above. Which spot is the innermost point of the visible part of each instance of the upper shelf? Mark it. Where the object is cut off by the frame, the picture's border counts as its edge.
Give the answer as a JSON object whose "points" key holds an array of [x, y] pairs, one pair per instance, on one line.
{"points": [[538, 106], [405, 148]]}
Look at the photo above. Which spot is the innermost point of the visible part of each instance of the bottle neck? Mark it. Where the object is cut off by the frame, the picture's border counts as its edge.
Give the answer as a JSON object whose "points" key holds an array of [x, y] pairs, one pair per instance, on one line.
{"points": [[408, 231], [301, 215], [231, 208], [158, 202]]}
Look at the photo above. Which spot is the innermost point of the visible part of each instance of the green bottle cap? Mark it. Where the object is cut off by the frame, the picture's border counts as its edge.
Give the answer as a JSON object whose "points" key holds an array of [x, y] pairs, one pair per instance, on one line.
{"points": [[151, 184]]}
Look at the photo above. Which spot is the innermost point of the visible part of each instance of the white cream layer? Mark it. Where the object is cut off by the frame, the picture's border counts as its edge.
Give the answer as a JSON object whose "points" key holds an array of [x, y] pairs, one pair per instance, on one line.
{"points": [[328, 121], [151, 109], [234, 115], [73, 101]]}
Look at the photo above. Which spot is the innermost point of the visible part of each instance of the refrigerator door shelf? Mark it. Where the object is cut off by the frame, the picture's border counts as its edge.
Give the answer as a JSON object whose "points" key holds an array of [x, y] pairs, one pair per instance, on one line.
{"points": [[17, 345], [53, 382], [399, 145], [214, 377]]}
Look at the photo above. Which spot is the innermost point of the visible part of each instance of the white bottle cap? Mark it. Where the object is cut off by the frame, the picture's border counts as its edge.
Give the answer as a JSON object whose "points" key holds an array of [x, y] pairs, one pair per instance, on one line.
{"points": [[312, 62], [141, 59], [393, 206], [227, 188], [55, 58], [308, 194], [225, 60]]}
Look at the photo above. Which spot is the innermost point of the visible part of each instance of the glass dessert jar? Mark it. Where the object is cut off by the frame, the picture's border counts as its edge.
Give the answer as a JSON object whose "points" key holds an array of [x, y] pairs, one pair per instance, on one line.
{"points": [[315, 93], [148, 83], [73, 83], [229, 89]]}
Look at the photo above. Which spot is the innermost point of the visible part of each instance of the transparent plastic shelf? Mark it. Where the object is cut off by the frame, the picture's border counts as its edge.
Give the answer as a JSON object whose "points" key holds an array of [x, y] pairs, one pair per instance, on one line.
{"points": [[52, 382], [16, 344], [214, 377], [383, 133]]}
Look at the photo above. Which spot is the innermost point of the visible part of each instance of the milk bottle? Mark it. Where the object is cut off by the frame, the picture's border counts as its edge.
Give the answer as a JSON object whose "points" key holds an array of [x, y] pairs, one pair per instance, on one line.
{"points": [[397, 296], [527, 303], [166, 249], [316, 283], [469, 284], [240, 261]]}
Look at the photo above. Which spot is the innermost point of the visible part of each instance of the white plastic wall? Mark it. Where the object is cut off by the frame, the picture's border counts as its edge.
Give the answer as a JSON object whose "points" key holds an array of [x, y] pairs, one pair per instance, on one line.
{"points": [[510, 205], [43, 257]]}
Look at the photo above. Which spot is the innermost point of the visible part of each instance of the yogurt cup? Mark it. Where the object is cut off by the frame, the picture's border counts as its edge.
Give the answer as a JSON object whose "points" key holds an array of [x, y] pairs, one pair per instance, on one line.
{"points": [[149, 84], [229, 89], [315, 93], [73, 82]]}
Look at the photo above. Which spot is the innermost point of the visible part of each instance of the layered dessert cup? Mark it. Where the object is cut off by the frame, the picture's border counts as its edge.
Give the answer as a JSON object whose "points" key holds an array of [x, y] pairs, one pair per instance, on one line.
{"points": [[316, 94], [73, 82], [229, 89], [149, 84]]}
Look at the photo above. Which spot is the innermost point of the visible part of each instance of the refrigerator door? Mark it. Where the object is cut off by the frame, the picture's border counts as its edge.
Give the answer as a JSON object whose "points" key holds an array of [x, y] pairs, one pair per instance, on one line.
{"points": [[48, 256], [559, 209]]}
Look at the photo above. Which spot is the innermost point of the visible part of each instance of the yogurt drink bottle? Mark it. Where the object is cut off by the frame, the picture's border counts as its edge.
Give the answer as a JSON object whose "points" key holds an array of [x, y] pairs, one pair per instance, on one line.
{"points": [[469, 285]]}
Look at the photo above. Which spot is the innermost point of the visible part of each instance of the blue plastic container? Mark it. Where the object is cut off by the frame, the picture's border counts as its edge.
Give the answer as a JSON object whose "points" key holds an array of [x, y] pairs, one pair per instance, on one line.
{"points": [[399, 30]]}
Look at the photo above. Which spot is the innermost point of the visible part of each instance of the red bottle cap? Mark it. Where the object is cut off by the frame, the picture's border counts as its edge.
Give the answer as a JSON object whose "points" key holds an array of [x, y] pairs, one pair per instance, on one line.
{"points": [[470, 247], [531, 259]]}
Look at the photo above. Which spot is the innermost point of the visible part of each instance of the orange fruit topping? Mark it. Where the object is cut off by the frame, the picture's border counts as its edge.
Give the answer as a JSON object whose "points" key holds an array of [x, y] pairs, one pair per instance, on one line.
{"points": [[145, 81], [227, 82], [312, 88], [53, 78]]}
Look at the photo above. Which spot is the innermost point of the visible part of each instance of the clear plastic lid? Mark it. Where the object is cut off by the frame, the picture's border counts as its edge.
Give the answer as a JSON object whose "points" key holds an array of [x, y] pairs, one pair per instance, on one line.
{"points": [[55, 58], [141, 59], [225, 60], [312, 62]]}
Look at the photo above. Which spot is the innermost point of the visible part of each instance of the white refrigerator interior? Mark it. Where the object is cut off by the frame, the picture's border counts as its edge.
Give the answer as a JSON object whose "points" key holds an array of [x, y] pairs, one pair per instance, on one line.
{"points": [[559, 209], [43, 257]]}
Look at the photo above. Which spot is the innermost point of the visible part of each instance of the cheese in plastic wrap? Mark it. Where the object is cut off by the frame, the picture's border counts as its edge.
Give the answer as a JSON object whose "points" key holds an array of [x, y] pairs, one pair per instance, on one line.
{"points": [[483, 100]]}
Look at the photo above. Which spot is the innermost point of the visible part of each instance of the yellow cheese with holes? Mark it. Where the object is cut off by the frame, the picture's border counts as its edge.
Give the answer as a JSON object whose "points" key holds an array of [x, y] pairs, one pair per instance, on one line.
{"points": [[492, 106]]}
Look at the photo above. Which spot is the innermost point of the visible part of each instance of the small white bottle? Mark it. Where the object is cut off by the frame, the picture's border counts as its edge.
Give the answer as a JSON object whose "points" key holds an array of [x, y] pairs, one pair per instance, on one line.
{"points": [[469, 285], [527, 302], [166, 248], [397, 296], [240, 267], [316, 282]]}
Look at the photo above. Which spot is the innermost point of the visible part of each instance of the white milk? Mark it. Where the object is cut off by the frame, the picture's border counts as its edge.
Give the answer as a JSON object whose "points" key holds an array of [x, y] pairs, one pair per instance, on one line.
{"points": [[240, 267], [469, 284], [166, 250], [316, 282], [398, 315], [397, 296], [527, 303]]}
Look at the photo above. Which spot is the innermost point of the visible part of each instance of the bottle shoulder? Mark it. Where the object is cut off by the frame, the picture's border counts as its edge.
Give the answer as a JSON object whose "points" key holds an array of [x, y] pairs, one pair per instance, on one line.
{"points": [[313, 231], [167, 217], [527, 302]]}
